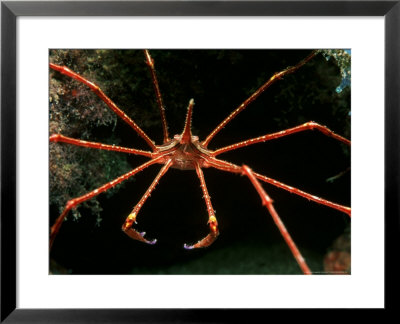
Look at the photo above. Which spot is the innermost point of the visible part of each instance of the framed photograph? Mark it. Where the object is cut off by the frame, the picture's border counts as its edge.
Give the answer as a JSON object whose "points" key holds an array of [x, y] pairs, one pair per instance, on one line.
{"points": [[213, 77], [183, 169]]}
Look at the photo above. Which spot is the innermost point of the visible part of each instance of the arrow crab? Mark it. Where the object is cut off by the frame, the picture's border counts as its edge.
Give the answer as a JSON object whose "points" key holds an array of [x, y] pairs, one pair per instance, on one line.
{"points": [[252, 113]]}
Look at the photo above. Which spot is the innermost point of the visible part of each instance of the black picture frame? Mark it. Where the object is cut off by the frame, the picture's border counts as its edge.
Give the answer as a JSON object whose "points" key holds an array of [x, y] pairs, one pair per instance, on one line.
{"points": [[10, 10]]}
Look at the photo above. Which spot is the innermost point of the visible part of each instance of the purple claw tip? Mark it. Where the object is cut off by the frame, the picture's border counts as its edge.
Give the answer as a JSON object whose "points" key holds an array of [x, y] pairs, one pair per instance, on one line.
{"points": [[188, 247], [153, 242]]}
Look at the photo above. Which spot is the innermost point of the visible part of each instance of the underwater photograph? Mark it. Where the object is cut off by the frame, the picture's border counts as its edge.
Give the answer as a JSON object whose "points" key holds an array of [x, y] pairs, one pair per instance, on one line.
{"points": [[200, 162]]}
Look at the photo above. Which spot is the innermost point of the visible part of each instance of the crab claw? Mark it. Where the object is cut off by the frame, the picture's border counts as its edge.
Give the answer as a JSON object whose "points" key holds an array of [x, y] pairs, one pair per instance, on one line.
{"points": [[205, 242], [209, 239], [132, 233], [138, 236]]}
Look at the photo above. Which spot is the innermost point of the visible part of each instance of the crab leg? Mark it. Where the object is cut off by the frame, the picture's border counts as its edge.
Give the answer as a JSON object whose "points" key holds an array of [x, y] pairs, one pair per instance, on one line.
{"points": [[131, 219], [76, 201], [267, 202], [212, 221], [100, 146], [344, 209], [256, 94], [307, 126], [150, 63], [96, 89], [230, 167]]}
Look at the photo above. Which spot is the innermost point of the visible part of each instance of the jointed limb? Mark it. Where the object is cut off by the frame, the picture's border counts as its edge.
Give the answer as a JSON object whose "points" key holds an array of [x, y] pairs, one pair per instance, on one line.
{"points": [[306, 195], [255, 95], [131, 219], [101, 146], [267, 202], [307, 126], [150, 63], [212, 220], [76, 201], [96, 89], [233, 168]]}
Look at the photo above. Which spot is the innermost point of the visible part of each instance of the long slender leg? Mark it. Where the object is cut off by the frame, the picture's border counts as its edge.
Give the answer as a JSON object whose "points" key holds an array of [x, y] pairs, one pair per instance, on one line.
{"points": [[256, 94], [267, 202], [344, 209], [127, 226], [150, 63], [100, 146], [212, 221], [233, 168], [76, 201], [96, 89], [307, 126]]}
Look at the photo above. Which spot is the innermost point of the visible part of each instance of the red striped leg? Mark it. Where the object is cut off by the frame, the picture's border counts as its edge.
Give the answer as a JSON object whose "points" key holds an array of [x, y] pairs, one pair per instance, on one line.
{"points": [[212, 221], [127, 226], [267, 202], [100, 146], [306, 195], [307, 126], [256, 94], [150, 63], [96, 89], [230, 167], [76, 201]]}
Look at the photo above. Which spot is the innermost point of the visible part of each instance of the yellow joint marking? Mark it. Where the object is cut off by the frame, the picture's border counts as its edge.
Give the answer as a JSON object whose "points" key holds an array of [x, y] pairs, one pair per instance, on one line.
{"points": [[212, 219], [132, 217], [213, 224], [129, 221]]}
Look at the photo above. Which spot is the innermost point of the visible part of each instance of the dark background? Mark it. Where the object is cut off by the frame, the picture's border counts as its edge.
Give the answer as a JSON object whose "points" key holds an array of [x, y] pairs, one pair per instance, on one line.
{"points": [[218, 81]]}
